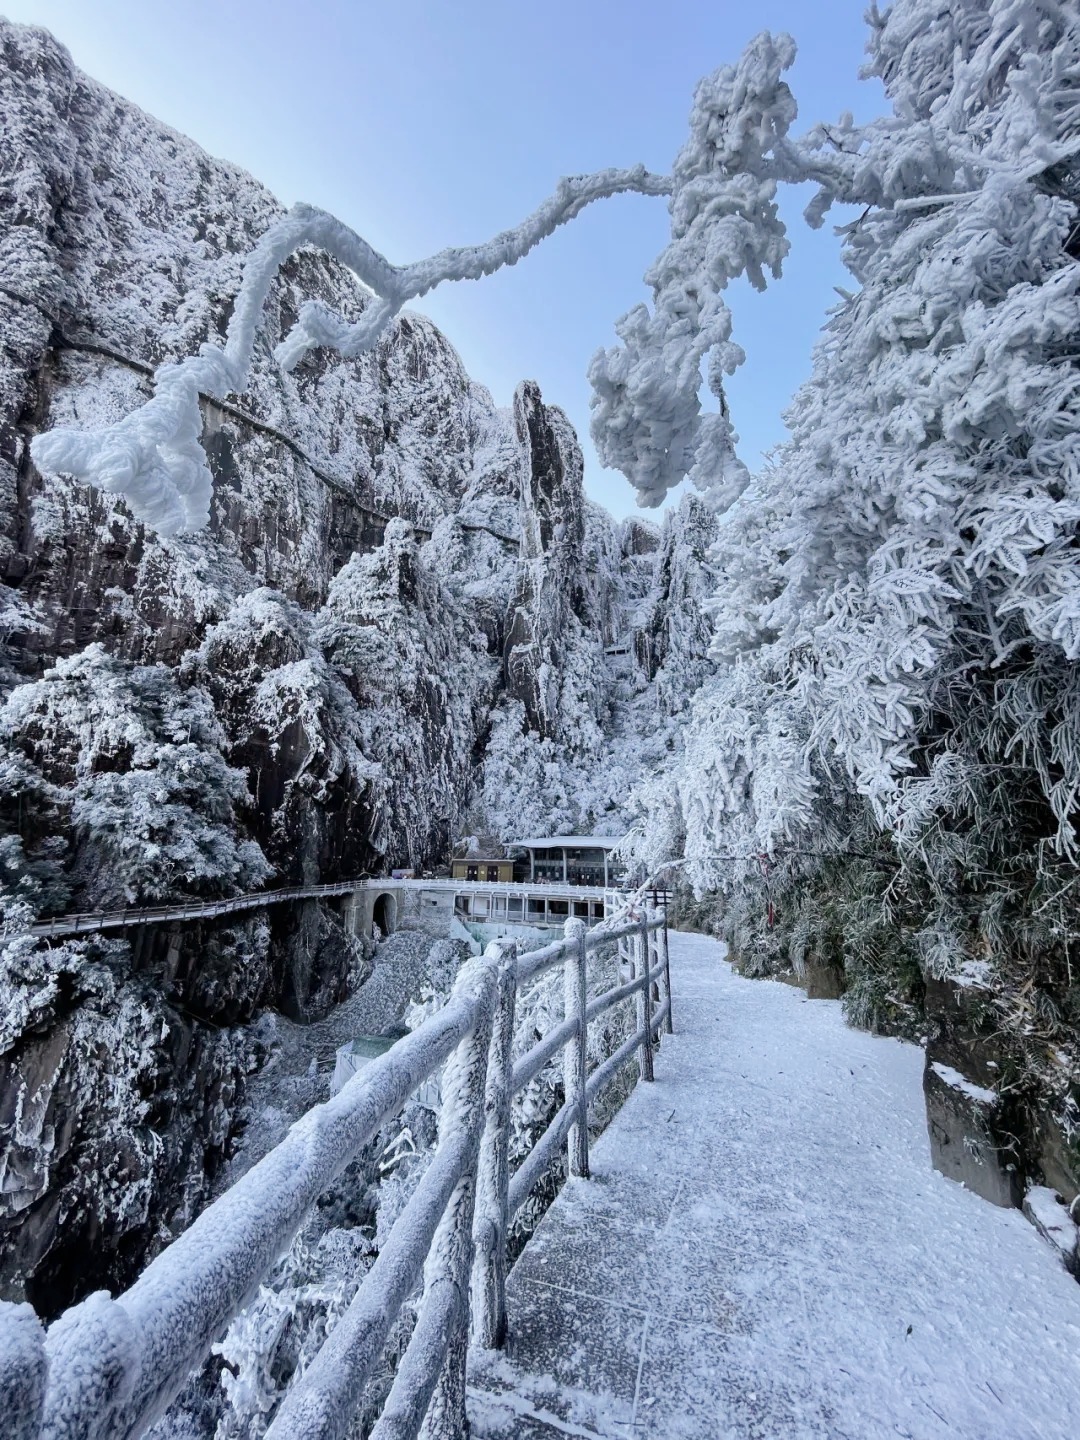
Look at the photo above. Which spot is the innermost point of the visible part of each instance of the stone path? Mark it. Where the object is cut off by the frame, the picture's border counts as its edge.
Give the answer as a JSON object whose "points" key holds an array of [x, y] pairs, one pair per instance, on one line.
{"points": [[764, 1251]]}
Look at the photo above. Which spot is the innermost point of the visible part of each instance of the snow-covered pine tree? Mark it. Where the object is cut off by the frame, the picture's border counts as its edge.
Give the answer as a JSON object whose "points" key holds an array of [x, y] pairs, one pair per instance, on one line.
{"points": [[897, 633]]}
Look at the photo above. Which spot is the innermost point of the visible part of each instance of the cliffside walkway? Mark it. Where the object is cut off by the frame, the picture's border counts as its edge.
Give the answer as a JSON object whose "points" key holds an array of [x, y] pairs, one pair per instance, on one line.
{"points": [[755, 1249], [534, 904], [763, 1250]]}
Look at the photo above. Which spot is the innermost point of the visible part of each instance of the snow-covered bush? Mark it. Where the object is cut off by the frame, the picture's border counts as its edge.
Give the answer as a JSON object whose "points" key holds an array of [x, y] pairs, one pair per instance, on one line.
{"points": [[893, 722], [132, 763], [281, 1331]]}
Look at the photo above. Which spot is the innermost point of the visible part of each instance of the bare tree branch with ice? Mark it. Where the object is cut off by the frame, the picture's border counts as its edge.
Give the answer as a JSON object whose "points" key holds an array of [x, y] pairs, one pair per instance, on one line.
{"points": [[725, 223], [153, 456]]}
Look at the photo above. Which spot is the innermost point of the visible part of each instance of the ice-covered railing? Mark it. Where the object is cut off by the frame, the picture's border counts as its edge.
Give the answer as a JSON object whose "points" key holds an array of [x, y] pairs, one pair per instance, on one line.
{"points": [[109, 1368]]}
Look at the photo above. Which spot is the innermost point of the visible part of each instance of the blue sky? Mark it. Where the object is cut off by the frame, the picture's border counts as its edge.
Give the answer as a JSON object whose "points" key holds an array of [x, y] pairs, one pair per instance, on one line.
{"points": [[423, 124]]}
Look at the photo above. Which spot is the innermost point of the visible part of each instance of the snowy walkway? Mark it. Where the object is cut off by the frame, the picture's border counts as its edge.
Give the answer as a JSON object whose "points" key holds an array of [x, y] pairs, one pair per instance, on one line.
{"points": [[765, 1251]]}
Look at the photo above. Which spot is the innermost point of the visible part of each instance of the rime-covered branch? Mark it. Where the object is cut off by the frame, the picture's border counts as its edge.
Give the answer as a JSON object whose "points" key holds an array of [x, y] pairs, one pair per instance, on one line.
{"points": [[725, 223], [153, 456]]}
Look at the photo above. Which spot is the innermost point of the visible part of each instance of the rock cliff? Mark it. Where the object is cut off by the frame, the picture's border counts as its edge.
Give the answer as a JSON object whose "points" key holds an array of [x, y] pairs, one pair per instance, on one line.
{"points": [[403, 619]]}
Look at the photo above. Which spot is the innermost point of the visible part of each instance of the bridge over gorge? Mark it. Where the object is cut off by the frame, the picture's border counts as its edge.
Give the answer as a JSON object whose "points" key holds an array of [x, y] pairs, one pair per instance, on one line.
{"points": [[756, 1246]]}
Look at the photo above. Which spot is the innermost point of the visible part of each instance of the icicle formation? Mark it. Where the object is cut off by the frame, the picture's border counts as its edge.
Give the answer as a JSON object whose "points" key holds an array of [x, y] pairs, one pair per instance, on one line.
{"points": [[153, 456]]}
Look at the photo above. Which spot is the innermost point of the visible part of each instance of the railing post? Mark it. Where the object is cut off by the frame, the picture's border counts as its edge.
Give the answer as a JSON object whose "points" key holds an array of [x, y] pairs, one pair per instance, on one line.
{"points": [[448, 1271], [22, 1371], [575, 1054], [660, 949], [644, 1005], [488, 1322], [666, 957]]}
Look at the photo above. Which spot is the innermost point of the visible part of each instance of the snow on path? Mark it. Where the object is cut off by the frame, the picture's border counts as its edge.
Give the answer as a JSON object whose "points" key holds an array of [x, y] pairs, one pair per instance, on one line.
{"points": [[765, 1251]]}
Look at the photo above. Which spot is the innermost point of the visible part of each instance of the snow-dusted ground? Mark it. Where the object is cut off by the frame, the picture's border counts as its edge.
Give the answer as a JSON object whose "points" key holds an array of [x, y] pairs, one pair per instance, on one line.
{"points": [[764, 1250]]}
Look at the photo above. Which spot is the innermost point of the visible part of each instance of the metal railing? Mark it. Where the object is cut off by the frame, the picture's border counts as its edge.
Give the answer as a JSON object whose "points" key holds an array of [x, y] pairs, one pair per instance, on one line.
{"points": [[90, 921], [85, 922], [107, 1369]]}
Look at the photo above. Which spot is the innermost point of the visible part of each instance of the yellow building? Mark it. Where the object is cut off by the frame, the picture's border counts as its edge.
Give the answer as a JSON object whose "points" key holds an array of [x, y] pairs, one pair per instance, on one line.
{"points": [[493, 871]]}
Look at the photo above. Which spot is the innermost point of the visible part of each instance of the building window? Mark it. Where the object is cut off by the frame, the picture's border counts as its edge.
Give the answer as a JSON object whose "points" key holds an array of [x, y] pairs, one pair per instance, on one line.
{"points": [[493, 873], [472, 872], [548, 867]]}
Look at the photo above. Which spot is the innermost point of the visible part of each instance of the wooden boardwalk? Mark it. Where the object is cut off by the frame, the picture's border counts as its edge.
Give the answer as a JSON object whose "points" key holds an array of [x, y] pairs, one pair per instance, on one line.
{"points": [[764, 1251]]}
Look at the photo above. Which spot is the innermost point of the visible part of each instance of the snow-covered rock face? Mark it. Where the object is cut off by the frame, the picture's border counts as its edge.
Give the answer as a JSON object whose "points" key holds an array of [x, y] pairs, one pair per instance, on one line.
{"points": [[398, 627], [549, 598], [128, 238]]}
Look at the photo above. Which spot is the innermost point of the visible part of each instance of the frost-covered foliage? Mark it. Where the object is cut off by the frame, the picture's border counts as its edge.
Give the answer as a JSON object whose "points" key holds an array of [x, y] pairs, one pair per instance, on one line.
{"points": [[724, 223], [920, 522], [618, 685], [648, 422], [129, 765], [893, 725], [927, 492]]}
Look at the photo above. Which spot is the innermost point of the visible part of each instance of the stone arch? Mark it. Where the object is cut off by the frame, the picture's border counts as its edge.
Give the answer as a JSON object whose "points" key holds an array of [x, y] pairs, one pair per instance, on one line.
{"points": [[384, 912]]}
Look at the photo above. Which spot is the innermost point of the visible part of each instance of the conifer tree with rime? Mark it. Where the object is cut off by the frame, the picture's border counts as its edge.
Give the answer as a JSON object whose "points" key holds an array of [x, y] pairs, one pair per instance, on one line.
{"points": [[897, 633], [924, 512]]}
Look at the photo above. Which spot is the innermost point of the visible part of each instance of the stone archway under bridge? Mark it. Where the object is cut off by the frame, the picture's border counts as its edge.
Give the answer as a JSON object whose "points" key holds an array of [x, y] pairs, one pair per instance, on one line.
{"points": [[374, 904]]}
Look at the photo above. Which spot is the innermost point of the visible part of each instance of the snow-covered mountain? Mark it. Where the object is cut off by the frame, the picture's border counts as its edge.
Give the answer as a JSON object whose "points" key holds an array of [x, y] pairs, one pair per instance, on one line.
{"points": [[403, 619]]}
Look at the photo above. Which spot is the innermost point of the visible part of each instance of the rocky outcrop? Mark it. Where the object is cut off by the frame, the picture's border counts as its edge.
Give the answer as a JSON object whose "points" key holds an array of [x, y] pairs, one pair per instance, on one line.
{"points": [[549, 597], [117, 1100], [672, 631], [1056, 1224], [978, 1130]]}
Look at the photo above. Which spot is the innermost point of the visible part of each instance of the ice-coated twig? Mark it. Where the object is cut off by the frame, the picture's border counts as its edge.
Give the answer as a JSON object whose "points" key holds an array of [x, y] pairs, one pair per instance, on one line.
{"points": [[153, 456]]}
